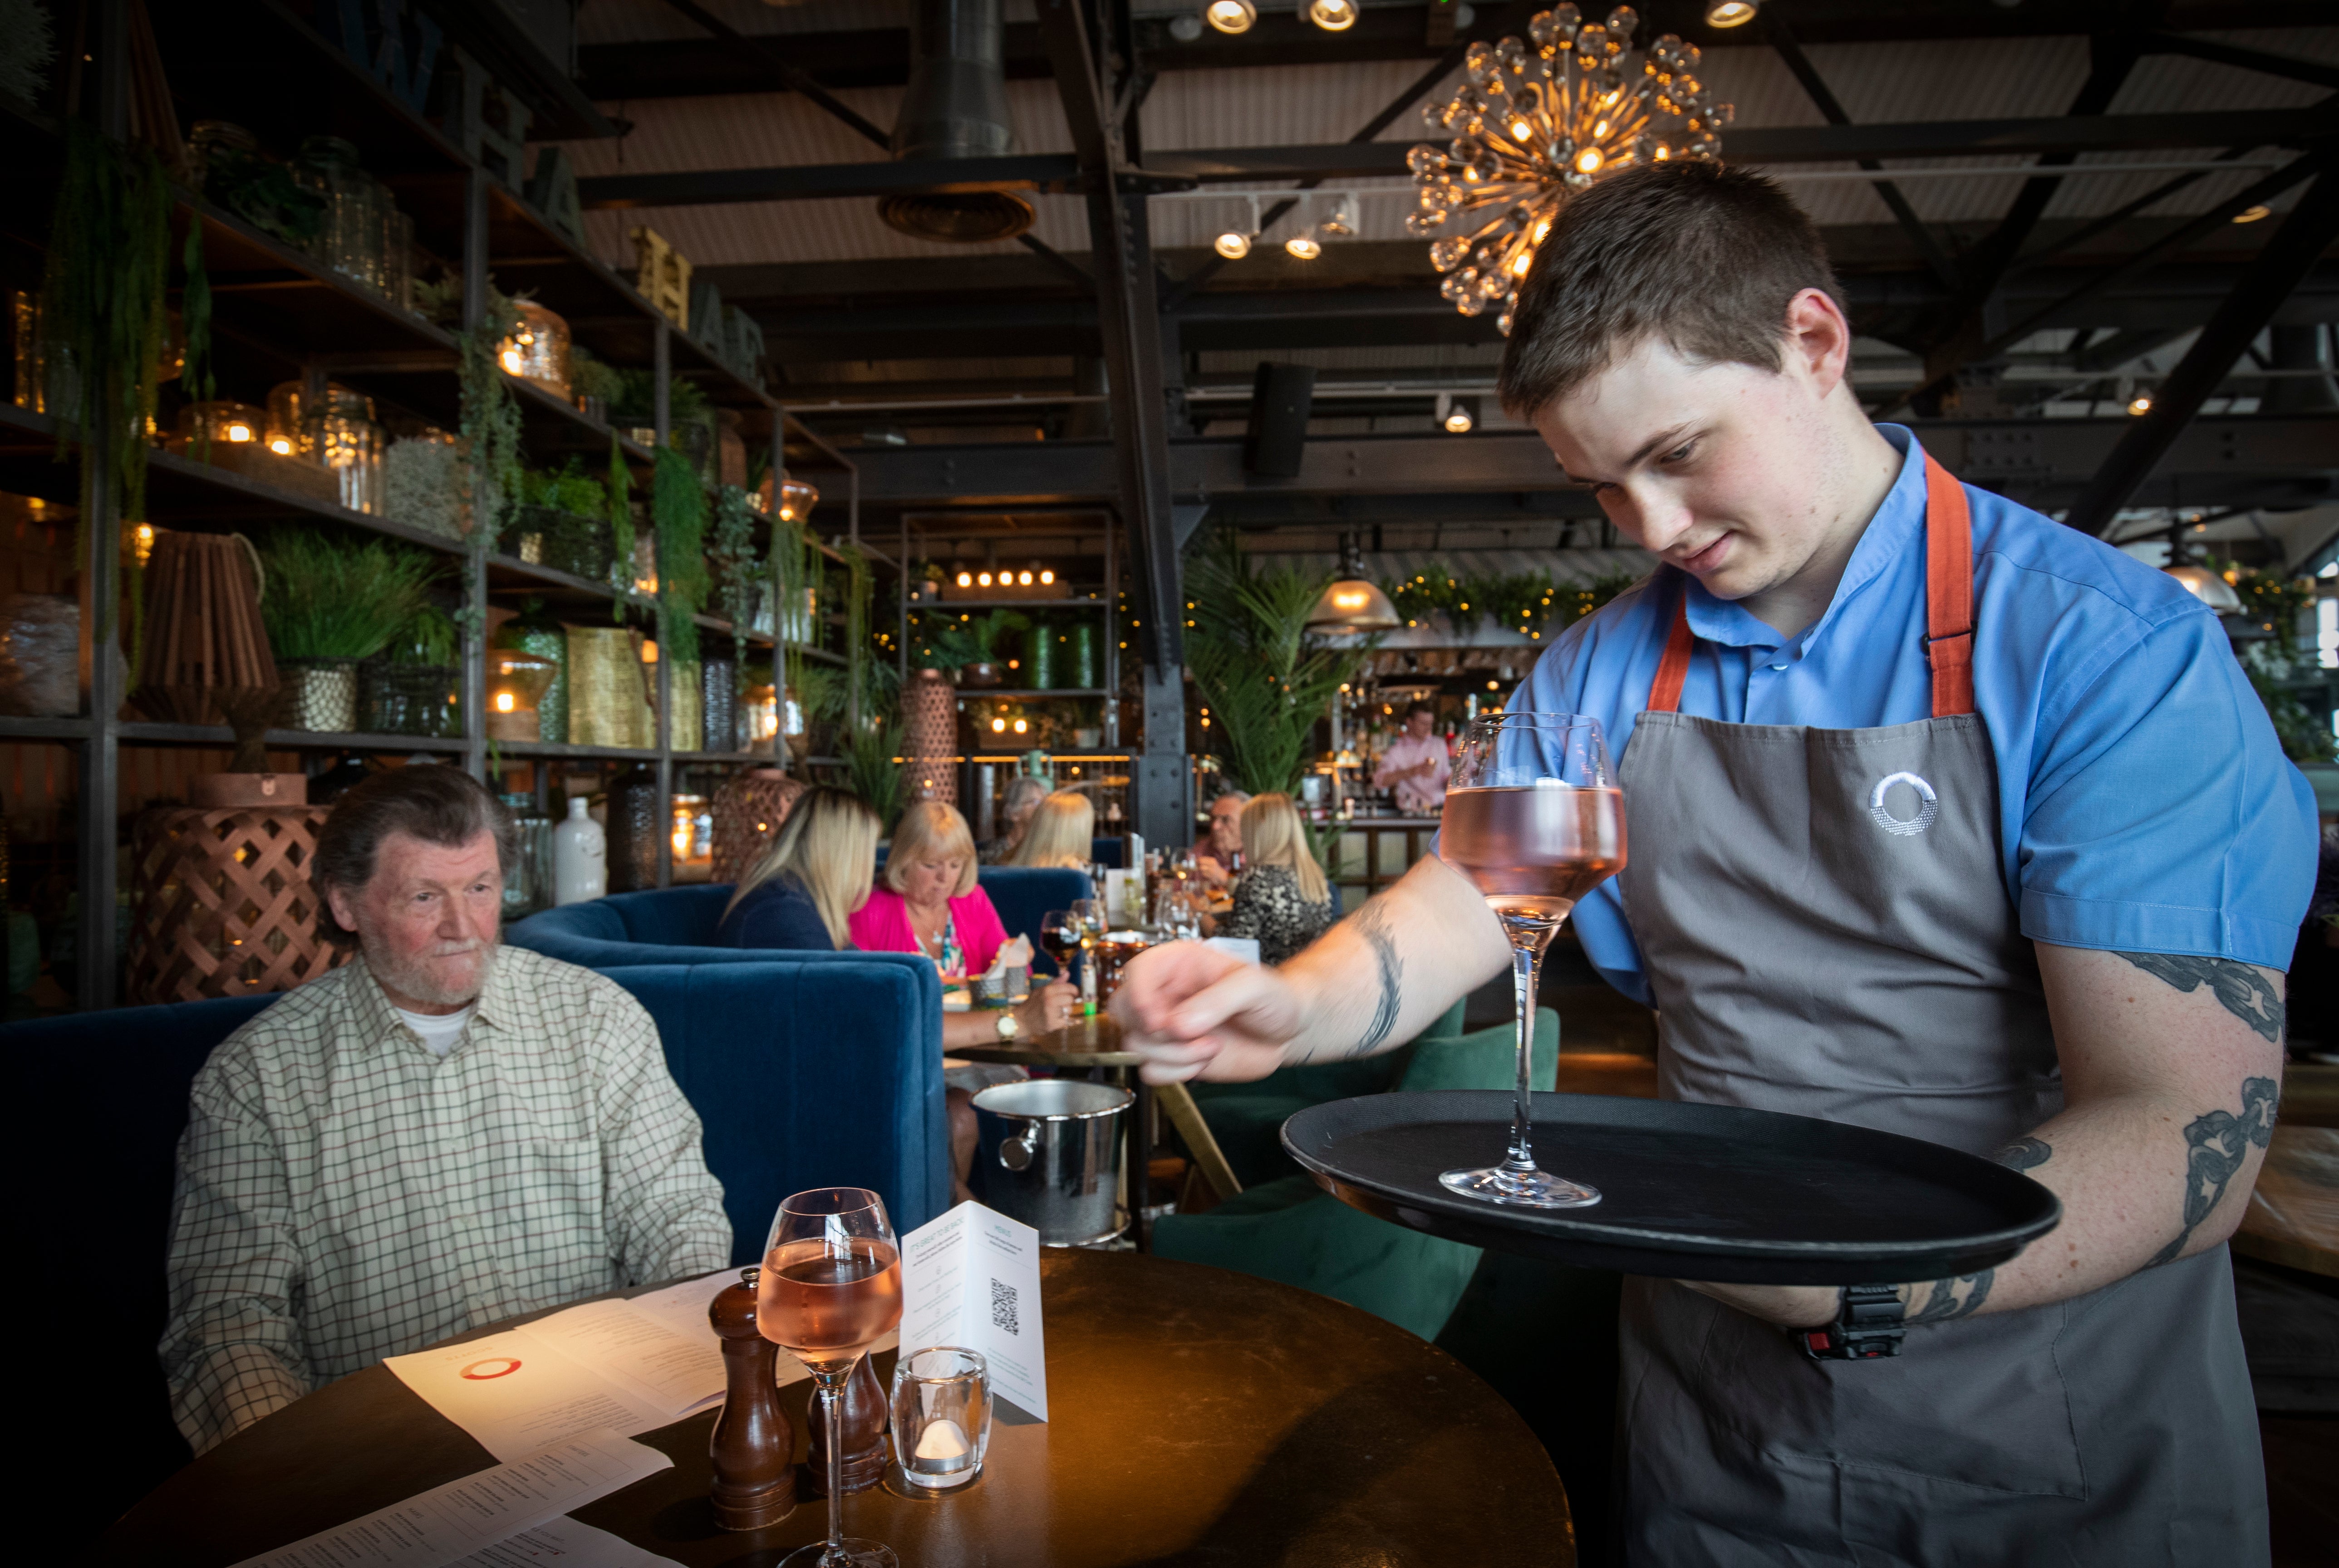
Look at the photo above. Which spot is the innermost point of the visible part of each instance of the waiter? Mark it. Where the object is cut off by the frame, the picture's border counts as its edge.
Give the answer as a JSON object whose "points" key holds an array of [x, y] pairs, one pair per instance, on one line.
{"points": [[1415, 767], [1946, 820]]}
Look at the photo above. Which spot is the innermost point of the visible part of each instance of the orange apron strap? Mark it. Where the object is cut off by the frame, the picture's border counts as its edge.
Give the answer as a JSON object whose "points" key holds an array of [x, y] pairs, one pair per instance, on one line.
{"points": [[1673, 670], [1948, 592]]}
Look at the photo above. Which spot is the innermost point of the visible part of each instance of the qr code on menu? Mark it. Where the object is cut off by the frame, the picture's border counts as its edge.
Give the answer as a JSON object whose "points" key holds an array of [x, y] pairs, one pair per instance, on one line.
{"points": [[1002, 1308]]}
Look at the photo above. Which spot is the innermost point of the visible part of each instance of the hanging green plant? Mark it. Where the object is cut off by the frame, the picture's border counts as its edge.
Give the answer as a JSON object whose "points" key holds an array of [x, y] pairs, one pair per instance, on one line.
{"points": [[618, 505], [678, 516], [102, 319], [1514, 601], [738, 569], [490, 414], [1433, 590]]}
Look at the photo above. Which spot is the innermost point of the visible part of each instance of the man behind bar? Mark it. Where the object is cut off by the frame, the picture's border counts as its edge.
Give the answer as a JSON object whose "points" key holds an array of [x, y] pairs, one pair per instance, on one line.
{"points": [[1946, 820], [442, 1134]]}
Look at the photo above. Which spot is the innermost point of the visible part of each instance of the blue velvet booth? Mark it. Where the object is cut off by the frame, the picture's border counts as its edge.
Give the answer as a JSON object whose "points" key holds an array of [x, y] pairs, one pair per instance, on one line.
{"points": [[676, 925], [804, 1069]]}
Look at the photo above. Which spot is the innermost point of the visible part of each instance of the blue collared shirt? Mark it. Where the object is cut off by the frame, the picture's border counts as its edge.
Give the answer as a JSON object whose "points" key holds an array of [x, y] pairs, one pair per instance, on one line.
{"points": [[2145, 804]]}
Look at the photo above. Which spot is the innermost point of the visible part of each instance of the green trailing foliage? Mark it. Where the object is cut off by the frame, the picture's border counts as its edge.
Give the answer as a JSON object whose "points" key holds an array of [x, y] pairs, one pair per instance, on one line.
{"points": [[590, 376], [1528, 603], [1265, 680], [679, 514], [617, 505], [103, 317], [567, 488], [327, 599], [27, 45], [490, 425], [739, 571]]}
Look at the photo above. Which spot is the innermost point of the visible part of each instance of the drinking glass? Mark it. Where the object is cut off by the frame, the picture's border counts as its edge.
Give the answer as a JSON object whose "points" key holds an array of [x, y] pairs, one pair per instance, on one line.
{"points": [[940, 1417], [1534, 819], [831, 1288], [1060, 934]]}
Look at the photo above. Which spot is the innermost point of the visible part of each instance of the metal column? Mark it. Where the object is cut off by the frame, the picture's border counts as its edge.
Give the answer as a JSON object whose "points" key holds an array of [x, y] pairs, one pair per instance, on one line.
{"points": [[662, 368]]}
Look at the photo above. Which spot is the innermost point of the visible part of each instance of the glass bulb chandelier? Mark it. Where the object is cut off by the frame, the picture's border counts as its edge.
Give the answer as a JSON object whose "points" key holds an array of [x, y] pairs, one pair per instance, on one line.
{"points": [[1533, 124]]}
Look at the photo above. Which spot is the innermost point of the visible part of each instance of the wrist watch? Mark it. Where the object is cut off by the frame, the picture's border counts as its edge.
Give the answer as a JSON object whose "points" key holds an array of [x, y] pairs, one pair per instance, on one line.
{"points": [[1867, 1325], [1010, 1027]]}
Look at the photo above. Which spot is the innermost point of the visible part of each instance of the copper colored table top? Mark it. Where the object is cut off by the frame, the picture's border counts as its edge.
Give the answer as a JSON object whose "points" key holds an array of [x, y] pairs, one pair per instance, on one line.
{"points": [[1200, 1417], [1083, 1043]]}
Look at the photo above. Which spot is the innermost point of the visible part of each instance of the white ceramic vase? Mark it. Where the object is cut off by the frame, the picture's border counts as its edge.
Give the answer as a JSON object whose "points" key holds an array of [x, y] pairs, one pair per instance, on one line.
{"points": [[580, 856]]}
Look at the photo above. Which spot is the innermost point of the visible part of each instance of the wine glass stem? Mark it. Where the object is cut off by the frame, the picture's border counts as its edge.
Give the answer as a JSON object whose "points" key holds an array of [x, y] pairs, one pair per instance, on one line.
{"points": [[1522, 991], [831, 1397]]}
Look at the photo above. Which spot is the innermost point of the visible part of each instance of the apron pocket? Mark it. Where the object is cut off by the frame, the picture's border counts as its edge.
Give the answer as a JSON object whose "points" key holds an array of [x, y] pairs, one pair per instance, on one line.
{"points": [[1981, 1403]]}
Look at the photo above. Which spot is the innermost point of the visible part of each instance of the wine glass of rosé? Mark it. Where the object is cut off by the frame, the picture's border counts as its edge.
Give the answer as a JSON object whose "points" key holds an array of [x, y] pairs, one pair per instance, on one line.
{"points": [[831, 1287], [1534, 819]]}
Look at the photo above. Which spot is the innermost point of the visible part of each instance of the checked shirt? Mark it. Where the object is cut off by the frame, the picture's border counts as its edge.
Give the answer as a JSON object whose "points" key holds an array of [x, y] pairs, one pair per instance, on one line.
{"points": [[344, 1194]]}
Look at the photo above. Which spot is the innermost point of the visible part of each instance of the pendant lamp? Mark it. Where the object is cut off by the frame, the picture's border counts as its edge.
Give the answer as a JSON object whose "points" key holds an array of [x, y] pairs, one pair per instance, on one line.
{"points": [[2199, 581], [1354, 603]]}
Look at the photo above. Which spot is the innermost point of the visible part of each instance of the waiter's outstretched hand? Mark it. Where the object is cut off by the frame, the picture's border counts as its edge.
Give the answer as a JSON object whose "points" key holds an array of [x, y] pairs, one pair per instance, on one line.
{"points": [[1193, 1011]]}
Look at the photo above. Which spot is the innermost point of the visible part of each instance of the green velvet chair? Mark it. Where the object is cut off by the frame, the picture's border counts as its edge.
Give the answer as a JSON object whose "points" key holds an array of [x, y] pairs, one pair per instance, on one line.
{"points": [[1291, 1230], [1247, 1119]]}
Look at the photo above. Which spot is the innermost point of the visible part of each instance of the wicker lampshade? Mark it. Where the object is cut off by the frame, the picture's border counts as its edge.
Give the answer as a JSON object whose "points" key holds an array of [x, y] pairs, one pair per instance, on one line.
{"points": [[221, 904], [748, 811]]}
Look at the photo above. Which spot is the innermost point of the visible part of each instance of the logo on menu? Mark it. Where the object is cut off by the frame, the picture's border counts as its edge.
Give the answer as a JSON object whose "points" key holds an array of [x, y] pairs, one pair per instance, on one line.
{"points": [[1929, 805], [494, 1366]]}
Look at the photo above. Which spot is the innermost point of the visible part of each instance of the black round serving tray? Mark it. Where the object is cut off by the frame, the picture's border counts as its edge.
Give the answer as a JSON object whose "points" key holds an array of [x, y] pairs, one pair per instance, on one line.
{"points": [[1687, 1191]]}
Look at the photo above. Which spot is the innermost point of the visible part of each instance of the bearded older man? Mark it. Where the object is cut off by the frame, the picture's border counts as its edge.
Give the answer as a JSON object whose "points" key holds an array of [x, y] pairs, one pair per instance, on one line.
{"points": [[442, 1134]]}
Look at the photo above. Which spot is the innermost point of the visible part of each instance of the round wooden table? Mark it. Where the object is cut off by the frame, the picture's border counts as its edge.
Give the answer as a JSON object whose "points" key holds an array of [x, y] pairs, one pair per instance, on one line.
{"points": [[1199, 1417]]}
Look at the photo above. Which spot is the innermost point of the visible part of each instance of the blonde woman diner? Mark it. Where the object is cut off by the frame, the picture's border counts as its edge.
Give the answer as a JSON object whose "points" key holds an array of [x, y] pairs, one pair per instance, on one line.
{"points": [[1282, 898], [1059, 832]]}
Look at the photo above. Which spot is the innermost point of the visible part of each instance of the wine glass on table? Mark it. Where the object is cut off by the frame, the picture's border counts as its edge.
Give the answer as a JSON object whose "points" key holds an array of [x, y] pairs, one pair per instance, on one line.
{"points": [[1536, 820], [1061, 933], [831, 1287]]}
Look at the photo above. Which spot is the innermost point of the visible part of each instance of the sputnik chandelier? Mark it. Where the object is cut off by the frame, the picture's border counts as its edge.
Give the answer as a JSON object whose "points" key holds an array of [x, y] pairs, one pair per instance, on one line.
{"points": [[1532, 126]]}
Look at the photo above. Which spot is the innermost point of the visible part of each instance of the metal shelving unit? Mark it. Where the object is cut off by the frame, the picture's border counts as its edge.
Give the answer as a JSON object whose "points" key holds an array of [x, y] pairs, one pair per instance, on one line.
{"points": [[279, 314]]}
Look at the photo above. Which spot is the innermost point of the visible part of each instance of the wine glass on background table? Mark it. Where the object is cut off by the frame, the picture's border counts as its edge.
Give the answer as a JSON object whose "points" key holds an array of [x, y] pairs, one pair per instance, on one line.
{"points": [[1061, 933], [1534, 819], [830, 1289]]}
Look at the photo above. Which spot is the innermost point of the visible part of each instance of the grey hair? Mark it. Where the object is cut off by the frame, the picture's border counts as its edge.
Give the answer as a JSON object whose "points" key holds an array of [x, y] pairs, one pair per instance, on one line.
{"points": [[434, 802]]}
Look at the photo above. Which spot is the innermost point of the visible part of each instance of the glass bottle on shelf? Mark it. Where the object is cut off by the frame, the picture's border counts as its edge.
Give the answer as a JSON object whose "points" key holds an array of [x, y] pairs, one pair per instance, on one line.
{"points": [[349, 240]]}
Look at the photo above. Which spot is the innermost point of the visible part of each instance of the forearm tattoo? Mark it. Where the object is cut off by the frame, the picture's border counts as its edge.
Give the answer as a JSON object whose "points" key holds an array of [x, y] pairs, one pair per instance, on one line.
{"points": [[1942, 1300], [2026, 1154], [2238, 986], [2217, 1144], [1372, 924]]}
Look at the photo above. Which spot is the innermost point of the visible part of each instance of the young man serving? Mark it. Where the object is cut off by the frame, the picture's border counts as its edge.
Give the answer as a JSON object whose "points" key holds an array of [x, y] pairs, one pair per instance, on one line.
{"points": [[1946, 820]]}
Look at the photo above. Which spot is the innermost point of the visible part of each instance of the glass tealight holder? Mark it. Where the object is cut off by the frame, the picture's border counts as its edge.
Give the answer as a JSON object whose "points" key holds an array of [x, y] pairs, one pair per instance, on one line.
{"points": [[539, 350], [942, 1421]]}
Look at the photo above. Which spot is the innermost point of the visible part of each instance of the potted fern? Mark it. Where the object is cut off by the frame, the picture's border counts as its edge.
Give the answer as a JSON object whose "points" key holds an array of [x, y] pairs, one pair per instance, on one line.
{"points": [[327, 605], [411, 688], [558, 519]]}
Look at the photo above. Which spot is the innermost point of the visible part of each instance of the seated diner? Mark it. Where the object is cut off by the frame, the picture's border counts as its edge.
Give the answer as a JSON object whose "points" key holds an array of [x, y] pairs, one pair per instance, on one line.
{"points": [[1282, 898], [1059, 832]]}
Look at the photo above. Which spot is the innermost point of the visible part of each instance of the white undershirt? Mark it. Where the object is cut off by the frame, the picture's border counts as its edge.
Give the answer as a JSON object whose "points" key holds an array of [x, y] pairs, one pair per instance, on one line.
{"points": [[438, 1029]]}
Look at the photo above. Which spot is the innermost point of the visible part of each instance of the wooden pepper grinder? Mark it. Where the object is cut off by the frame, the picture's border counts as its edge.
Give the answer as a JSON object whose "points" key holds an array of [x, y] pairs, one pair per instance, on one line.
{"points": [[864, 1419], [754, 1444]]}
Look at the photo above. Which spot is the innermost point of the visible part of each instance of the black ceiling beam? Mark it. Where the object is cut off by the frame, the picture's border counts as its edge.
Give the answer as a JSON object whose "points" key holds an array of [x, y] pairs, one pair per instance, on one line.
{"points": [[2295, 455], [2061, 314], [1371, 160], [1961, 331], [2309, 227], [1129, 321], [2259, 60], [1815, 88], [880, 56]]}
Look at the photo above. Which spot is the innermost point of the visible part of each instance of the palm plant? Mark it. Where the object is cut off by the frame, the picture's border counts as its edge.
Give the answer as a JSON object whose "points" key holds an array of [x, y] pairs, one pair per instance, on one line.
{"points": [[1266, 681]]}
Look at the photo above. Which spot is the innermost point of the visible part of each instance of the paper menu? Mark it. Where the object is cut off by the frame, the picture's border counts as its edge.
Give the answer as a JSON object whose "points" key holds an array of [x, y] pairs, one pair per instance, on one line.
{"points": [[972, 1279], [450, 1524], [564, 1543], [630, 1366]]}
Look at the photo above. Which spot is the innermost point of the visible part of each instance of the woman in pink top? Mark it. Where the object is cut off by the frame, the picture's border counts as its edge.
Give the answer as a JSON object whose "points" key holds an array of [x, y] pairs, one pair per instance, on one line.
{"points": [[927, 901]]}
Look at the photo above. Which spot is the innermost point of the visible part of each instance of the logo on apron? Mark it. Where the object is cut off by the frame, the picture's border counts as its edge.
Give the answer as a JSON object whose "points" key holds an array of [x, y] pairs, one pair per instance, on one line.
{"points": [[1929, 805]]}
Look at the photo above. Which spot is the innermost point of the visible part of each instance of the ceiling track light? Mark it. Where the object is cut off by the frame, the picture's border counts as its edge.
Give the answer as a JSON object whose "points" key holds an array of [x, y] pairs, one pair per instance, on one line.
{"points": [[1732, 13], [1456, 415], [1332, 15], [1234, 244], [1231, 17], [1304, 246]]}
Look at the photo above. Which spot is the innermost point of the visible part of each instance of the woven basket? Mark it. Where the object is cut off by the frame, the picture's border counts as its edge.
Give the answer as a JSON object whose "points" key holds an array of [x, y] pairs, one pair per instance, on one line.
{"points": [[221, 903], [748, 811], [606, 704], [687, 733]]}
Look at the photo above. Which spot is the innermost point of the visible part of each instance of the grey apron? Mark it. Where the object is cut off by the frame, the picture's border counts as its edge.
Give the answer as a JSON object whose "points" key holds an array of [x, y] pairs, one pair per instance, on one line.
{"points": [[1827, 931]]}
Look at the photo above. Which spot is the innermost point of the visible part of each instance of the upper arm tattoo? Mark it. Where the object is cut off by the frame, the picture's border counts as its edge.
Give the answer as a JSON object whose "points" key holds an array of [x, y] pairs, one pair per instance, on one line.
{"points": [[2238, 986], [1372, 924], [2216, 1145], [1942, 1301]]}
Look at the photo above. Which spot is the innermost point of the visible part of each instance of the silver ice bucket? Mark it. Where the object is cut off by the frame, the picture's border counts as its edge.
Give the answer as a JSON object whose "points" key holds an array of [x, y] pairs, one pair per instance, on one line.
{"points": [[1050, 1150]]}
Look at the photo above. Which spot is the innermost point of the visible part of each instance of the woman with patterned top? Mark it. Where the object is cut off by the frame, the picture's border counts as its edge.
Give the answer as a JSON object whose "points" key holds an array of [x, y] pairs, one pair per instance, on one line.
{"points": [[1282, 898]]}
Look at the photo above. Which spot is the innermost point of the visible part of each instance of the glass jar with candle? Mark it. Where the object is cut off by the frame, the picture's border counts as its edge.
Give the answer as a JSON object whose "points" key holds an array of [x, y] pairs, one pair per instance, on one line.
{"points": [[348, 441], [539, 350], [222, 421]]}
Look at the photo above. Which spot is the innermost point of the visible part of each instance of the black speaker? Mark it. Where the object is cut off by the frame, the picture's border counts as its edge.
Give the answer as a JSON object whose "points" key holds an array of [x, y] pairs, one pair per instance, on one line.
{"points": [[1278, 432]]}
